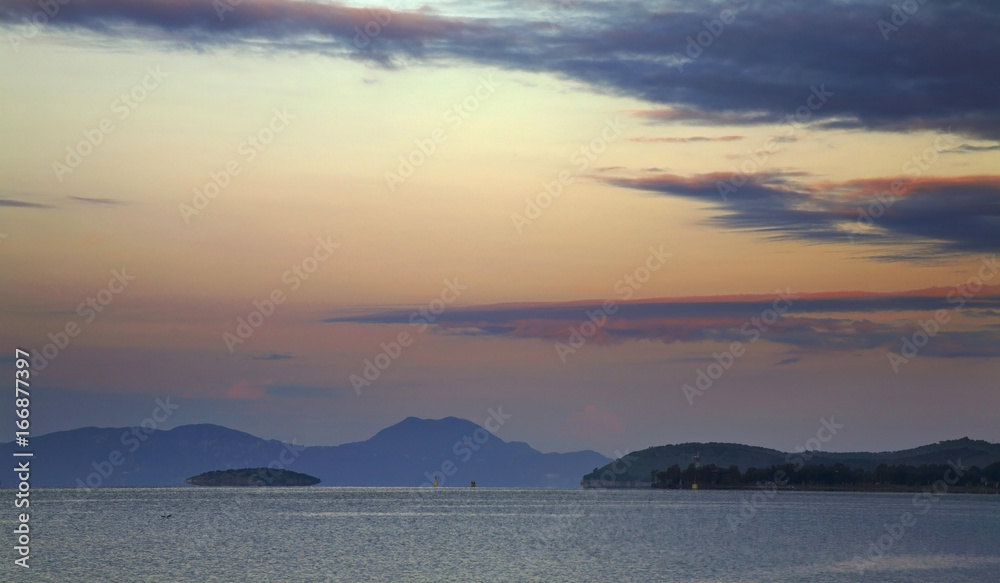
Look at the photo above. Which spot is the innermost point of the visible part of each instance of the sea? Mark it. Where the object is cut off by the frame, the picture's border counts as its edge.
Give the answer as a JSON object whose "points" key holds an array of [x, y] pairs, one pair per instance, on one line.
{"points": [[483, 534]]}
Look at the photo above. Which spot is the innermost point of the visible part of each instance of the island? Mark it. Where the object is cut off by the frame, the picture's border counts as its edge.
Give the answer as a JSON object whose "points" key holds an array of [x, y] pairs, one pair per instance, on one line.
{"points": [[253, 477], [958, 466]]}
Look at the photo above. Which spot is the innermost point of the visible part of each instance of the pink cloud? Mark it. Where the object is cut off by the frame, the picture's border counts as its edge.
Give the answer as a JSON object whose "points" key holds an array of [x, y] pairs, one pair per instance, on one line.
{"points": [[247, 390]]}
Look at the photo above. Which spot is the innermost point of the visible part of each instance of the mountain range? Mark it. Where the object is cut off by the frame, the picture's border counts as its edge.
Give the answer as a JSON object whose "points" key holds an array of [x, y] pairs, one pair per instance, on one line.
{"points": [[412, 452]]}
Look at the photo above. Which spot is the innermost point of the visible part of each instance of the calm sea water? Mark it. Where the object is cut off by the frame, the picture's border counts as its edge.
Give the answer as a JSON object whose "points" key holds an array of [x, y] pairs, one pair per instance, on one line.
{"points": [[401, 534]]}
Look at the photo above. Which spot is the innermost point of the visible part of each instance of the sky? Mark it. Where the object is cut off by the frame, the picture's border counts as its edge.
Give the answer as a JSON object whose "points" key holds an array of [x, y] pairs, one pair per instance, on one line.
{"points": [[625, 223]]}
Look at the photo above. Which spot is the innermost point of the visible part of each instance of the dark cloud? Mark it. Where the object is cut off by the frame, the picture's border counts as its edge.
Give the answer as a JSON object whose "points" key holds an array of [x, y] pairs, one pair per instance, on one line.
{"points": [[759, 66], [716, 307], [22, 204], [812, 322], [922, 217], [698, 116], [102, 201], [969, 148], [790, 360]]}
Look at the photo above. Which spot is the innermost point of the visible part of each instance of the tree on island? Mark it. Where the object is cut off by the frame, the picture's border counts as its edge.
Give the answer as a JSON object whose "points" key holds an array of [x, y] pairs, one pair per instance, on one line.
{"points": [[837, 476]]}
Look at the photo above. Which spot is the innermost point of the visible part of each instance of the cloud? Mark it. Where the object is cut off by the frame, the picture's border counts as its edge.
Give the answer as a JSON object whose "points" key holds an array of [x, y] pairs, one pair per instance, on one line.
{"points": [[101, 201], [923, 217], [737, 306], [273, 356], [291, 25], [790, 360], [688, 140], [697, 116], [760, 67], [846, 321], [22, 204], [969, 148]]}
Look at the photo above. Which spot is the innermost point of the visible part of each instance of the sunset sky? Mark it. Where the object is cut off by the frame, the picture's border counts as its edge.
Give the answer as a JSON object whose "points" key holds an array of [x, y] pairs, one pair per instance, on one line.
{"points": [[658, 175]]}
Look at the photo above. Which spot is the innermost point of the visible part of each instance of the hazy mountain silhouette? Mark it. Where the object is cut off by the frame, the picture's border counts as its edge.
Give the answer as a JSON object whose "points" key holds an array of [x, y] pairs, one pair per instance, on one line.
{"points": [[410, 453]]}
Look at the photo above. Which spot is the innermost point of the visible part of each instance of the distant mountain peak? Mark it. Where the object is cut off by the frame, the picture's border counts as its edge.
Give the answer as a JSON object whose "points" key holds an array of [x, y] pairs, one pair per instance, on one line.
{"points": [[415, 428]]}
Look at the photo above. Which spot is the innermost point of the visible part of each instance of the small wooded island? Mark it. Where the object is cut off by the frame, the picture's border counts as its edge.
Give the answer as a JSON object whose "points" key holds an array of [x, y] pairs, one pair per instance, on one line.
{"points": [[253, 477]]}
